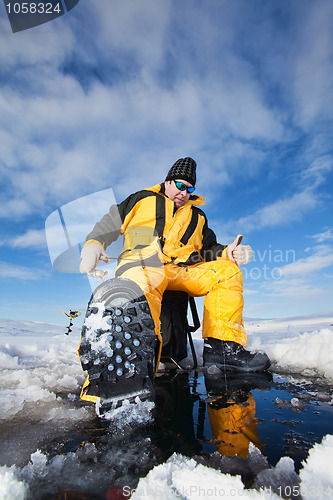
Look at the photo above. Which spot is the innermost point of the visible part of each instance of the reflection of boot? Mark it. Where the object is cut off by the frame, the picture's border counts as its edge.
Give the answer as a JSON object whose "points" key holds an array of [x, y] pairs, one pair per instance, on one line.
{"points": [[231, 383], [118, 345], [229, 355]]}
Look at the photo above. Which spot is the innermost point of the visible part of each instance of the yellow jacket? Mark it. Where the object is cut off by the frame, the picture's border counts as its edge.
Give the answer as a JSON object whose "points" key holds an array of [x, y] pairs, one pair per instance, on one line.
{"points": [[155, 233]]}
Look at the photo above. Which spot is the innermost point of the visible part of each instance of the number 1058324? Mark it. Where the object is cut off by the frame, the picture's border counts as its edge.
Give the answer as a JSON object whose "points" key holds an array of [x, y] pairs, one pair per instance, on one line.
{"points": [[34, 8]]}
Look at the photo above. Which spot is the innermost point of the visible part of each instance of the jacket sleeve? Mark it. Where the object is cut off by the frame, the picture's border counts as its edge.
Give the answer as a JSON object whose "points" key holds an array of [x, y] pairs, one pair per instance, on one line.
{"points": [[211, 249], [108, 229]]}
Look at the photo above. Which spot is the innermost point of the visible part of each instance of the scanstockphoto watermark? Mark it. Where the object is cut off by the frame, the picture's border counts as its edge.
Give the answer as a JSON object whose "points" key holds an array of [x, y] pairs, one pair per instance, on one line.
{"points": [[195, 491], [267, 263], [189, 491]]}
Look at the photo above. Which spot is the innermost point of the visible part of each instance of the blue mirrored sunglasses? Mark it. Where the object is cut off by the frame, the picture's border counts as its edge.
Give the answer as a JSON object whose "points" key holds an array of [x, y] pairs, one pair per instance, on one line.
{"points": [[181, 186]]}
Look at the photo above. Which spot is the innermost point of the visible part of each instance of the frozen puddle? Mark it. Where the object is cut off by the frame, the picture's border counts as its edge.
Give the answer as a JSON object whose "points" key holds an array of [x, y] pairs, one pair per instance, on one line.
{"points": [[252, 436], [281, 415], [258, 438]]}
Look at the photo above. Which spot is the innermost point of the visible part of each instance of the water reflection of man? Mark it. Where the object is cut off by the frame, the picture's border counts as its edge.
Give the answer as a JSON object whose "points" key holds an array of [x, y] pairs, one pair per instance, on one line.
{"points": [[231, 410]]}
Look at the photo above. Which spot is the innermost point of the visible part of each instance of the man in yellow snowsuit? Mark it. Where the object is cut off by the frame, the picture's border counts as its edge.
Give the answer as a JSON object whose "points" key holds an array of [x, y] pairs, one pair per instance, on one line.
{"points": [[169, 246]]}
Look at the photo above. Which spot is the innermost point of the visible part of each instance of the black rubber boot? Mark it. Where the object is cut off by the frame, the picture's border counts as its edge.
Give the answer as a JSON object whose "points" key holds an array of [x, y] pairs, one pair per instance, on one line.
{"points": [[228, 355], [118, 345]]}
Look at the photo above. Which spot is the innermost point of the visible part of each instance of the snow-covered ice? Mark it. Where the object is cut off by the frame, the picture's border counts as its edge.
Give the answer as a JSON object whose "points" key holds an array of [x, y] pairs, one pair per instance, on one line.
{"points": [[296, 345], [302, 345], [40, 382], [39, 364], [11, 488], [183, 478]]}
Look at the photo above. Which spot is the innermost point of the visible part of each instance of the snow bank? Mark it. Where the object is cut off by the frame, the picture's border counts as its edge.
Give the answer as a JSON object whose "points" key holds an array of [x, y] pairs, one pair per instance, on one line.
{"points": [[179, 477], [317, 474], [295, 345], [89, 471], [39, 366], [309, 354], [183, 478], [10, 487]]}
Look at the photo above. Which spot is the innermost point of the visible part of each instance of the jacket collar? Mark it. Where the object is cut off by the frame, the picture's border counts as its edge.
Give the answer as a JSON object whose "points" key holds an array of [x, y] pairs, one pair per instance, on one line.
{"points": [[194, 199]]}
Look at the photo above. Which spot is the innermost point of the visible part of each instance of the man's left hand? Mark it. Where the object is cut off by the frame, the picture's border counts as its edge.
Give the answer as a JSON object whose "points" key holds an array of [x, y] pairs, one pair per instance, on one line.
{"points": [[240, 254]]}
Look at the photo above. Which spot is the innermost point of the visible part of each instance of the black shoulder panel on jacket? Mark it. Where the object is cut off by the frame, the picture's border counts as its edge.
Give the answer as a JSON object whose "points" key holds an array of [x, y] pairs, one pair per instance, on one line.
{"points": [[128, 204]]}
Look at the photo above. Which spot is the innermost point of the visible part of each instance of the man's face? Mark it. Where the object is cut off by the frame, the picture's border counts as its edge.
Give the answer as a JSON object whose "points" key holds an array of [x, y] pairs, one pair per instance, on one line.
{"points": [[176, 195]]}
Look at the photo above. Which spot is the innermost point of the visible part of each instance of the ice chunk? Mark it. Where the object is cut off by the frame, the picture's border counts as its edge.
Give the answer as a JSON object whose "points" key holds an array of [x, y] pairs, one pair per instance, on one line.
{"points": [[317, 473], [280, 478], [7, 361], [37, 466], [183, 478], [13, 400], [10, 487], [213, 370], [129, 414]]}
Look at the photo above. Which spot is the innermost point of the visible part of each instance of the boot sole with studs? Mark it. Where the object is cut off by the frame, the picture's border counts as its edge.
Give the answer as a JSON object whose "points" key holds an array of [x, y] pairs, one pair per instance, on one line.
{"points": [[118, 345]]}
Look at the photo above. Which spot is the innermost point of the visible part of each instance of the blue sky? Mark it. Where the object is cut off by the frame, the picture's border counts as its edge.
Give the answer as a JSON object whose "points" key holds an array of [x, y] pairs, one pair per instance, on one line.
{"points": [[112, 93]]}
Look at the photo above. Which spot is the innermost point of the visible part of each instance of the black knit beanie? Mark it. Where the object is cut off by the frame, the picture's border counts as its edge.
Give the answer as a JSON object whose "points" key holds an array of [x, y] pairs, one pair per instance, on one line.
{"points": [[185, 169]]}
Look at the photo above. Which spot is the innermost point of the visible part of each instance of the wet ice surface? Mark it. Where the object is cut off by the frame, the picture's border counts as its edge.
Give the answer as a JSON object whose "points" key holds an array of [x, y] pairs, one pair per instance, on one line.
{"points": [[52, 442]]}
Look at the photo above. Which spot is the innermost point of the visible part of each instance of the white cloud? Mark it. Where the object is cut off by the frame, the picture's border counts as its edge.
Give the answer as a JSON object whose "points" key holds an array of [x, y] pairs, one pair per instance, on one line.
{"points": [[302, 285], [88, 139], [317, 172], [324, 236], [71, 139], [293, 46], [136, 29], [111, 94], [321, 259], [295, 288], [13, 271], [278, 213], [34, 238], [29, 48], [312, 72], [287, 210], [299, 280]]}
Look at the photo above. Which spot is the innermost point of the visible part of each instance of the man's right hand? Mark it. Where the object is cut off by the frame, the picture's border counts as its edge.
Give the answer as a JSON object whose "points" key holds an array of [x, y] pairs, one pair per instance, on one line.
{"points": [[91, 254]]}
